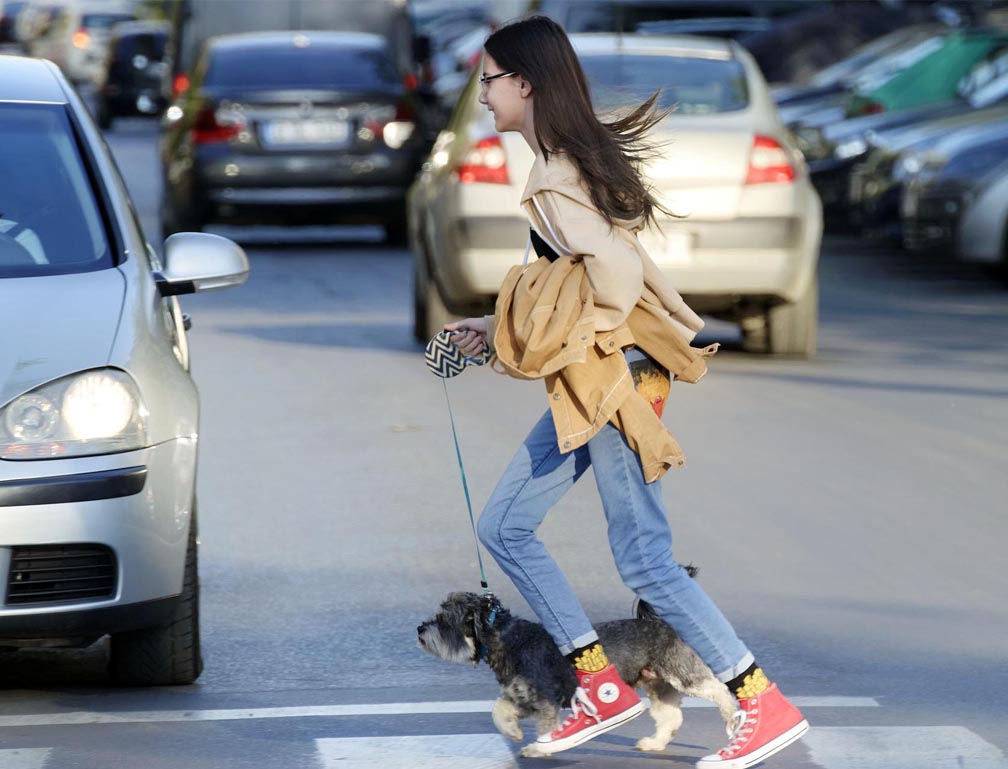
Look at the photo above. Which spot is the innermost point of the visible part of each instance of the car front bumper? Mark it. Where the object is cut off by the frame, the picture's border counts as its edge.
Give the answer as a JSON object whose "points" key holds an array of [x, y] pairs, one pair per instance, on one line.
{"points": [[95, 544]]}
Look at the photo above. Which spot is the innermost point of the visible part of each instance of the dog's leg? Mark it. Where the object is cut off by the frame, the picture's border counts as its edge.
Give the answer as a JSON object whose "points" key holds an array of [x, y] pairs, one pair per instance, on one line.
{"points": [[666, 713], [505, 718], [715, 691]]}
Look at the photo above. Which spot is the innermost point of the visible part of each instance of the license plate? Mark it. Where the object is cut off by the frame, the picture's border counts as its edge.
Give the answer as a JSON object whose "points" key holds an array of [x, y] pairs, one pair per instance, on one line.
{"points": [[669, 248], [327, 133]]}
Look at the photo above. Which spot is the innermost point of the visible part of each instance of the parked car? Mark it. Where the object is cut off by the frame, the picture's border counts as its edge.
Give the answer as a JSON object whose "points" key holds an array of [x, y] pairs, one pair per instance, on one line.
{"points": [[291, 127], [932, 79], [834, 149], [747, 248], [957, 197], [74, 33], [99, 416], [136, 75]]}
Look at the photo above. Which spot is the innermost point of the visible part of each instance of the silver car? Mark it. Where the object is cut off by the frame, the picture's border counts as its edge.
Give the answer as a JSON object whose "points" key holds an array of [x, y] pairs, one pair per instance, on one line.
{"points": [[99, 416], [746, 247]]}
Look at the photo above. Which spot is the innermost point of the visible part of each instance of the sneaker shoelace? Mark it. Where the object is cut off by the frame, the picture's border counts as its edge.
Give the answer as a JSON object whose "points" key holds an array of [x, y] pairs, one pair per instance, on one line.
{"points": [[581, 702], [743, 725]]}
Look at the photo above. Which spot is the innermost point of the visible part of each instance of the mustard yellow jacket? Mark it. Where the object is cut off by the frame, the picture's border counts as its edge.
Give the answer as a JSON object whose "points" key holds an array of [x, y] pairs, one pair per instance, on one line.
{"points": [[568, 321]]}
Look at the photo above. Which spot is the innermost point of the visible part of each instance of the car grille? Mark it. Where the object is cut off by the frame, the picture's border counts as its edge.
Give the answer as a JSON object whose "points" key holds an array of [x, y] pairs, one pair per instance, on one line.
{"points": [[61, 574]]}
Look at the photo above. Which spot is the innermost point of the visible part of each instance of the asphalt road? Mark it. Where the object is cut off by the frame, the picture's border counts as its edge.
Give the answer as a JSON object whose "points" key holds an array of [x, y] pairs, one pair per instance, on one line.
{"points": [[847, 513]]}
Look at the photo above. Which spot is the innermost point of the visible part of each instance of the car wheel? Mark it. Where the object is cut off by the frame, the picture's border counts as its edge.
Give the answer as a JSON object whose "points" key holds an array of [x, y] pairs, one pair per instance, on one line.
{"points": [[429, 311], [787, 329], [169, 654], [103, 115], [397, 230], [173, 221]]}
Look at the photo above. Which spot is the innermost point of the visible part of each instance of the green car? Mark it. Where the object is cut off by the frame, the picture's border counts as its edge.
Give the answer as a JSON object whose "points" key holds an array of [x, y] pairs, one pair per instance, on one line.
{"points": [[934, 78]]}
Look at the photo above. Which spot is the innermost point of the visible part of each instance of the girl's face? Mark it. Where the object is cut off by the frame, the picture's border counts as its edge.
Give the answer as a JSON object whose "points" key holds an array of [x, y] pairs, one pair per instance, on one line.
{"points": [[506, 97]]}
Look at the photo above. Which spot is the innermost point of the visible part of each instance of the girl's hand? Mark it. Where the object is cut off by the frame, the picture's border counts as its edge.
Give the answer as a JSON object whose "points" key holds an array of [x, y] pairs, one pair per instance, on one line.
{"points": [[469, 336]]}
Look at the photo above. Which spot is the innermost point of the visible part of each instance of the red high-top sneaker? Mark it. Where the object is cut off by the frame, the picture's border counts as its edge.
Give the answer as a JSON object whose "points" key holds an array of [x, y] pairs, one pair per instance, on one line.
{"points": [[768, 723], [601, 702]]}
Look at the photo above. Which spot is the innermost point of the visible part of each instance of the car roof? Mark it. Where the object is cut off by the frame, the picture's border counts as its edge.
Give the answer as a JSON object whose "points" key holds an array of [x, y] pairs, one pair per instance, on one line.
{"points": [[124, 28], [26, 79], [689, 46], [252, 40]]}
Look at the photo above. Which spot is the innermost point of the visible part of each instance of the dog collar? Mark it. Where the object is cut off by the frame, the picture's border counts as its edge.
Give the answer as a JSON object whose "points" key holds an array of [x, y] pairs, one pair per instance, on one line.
{"points": [[494, 606]]}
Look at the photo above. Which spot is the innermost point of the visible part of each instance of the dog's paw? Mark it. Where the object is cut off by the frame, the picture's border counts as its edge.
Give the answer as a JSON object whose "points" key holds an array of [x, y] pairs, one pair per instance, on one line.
{"points": [[650, 745], [532, 751]]}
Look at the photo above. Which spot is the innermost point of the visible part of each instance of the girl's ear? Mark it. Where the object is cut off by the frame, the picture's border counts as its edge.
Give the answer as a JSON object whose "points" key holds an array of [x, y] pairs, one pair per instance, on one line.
{"points": [[524, 87]]}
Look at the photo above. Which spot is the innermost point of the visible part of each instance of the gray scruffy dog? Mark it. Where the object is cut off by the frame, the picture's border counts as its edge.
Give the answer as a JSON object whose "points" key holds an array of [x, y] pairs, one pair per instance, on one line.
{"points": [[537, 681]]}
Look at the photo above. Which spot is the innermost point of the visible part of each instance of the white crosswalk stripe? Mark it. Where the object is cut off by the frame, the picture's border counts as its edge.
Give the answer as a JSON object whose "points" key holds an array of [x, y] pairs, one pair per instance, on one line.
{"points": [[24, 758], [440, 751], [902, 747]]}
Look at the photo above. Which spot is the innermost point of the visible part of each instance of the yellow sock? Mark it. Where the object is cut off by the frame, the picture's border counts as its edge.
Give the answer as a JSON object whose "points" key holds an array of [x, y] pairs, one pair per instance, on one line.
{"points": [[591, 659], [753, 685]]}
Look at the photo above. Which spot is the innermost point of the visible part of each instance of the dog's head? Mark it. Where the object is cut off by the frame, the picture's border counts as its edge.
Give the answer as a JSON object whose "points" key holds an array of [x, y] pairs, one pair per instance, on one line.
{"points": [[461, 627]]}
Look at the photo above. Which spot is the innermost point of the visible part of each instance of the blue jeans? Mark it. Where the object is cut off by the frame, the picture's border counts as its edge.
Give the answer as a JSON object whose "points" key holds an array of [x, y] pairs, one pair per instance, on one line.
{"points": [[639, 536]]}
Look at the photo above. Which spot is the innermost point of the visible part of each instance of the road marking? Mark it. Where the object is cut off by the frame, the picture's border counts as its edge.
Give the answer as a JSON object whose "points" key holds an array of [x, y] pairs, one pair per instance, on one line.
{"points": [[441, 751], [24, 758], [79, 717], [901, 747]]}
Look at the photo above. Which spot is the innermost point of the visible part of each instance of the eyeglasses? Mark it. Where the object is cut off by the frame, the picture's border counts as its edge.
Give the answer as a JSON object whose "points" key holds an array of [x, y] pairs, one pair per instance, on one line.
{"points": [[485, 79]]}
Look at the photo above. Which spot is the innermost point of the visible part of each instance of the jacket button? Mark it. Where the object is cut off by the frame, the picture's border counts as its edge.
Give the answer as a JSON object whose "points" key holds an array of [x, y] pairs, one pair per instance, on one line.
{"points": [[556, 396], [566, 444], [612, 344], [584, 339]]}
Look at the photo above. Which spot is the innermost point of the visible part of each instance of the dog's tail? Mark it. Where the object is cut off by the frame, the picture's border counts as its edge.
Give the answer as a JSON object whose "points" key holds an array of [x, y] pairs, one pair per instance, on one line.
{"points": [[643, 610]]}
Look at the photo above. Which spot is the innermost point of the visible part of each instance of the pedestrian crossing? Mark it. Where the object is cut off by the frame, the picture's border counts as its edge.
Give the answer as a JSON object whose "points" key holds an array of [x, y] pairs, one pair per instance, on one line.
{"points": [[824, 747]]}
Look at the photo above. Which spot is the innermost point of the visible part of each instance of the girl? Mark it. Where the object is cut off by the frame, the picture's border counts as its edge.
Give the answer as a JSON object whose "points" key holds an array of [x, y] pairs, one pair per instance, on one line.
{"points": [[594, 316]]}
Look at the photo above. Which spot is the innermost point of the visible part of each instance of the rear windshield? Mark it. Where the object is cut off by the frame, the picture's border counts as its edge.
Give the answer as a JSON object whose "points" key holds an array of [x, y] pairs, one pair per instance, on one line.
{"points": [[49, 220], [693, 86], [309, 67], [104, 20]]}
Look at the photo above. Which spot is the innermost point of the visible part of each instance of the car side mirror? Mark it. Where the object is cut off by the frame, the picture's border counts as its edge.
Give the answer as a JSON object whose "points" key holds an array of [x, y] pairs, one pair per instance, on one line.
{"points": [[197, 261]]}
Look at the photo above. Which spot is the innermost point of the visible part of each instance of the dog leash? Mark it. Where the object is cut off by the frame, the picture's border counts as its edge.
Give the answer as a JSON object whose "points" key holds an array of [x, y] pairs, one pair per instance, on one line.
{"points": [[465, 488]]}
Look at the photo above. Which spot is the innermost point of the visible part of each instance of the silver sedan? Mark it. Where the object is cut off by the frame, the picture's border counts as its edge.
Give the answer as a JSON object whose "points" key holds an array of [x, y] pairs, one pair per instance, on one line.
{"points": [[746, 247], [99, 416]]}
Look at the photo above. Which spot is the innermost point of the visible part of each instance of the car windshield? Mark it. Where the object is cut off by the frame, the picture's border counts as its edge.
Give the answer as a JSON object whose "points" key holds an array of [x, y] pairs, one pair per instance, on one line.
{"points": [[313, 66], [50, 222], [149, 44], [692, 86]]}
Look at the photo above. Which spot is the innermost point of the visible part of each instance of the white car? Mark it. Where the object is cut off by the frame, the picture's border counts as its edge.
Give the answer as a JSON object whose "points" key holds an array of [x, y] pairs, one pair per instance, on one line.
{"points": [[746, 247]]}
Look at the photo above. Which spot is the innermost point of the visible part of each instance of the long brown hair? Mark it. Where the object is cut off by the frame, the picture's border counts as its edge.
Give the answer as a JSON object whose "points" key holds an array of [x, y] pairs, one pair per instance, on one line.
{"points": [[608, 154]]}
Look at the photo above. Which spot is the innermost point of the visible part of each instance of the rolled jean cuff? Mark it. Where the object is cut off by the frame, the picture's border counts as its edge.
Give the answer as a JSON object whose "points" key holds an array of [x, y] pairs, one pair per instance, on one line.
{"points": [[582, 641], [737, 670]]}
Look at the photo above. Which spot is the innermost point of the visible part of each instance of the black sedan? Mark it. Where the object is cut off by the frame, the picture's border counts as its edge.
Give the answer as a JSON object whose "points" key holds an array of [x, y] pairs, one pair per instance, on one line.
{"points": [[291, 128], [135, 80]]}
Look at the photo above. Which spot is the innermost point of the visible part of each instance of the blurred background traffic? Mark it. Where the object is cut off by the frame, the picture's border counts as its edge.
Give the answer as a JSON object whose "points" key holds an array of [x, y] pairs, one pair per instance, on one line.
{"points": [[886, 118]]}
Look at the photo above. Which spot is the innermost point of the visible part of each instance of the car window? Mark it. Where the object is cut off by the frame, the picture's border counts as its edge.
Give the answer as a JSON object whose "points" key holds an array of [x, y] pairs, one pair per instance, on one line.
{"points": [[311, 66], [987, 80], [50, 222], [149, 44], [104, 20], [693, 86]]}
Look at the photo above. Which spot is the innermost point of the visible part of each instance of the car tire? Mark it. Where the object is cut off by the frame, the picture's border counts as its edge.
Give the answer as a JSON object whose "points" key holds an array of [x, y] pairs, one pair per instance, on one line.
{"points": [[788, 329], [429, 311], [169, 654], [103, 115]]}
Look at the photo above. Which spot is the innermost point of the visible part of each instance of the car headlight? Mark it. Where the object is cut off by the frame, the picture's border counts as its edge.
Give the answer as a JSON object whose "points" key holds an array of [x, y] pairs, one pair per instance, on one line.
{"points": [[94, 412], [851, 148], [907, 167]]}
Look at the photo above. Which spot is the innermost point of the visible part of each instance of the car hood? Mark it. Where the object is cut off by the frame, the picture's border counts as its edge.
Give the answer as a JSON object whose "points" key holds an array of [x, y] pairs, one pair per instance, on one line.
{"points": [[55, 325]]}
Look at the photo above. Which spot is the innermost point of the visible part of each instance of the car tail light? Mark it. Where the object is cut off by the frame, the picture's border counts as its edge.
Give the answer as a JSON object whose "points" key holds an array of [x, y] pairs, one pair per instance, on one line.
{"points": [[769, 162], [410, 81], [80, 39], [485, 162], [873, 108], [180, 84], [394, 124], [210, 127]]}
